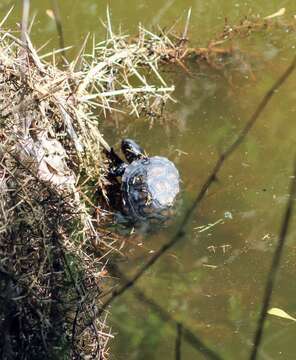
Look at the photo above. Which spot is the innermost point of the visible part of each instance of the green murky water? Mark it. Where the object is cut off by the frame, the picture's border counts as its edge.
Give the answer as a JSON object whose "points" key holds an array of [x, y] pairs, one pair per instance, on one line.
{"points": [[213, 281]]}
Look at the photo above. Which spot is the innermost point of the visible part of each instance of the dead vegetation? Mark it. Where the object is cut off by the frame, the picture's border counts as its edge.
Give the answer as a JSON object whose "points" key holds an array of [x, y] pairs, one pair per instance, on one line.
{"points": [[53, 249]]}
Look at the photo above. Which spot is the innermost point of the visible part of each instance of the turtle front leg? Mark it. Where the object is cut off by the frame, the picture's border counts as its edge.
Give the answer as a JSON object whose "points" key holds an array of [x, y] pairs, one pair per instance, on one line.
{"points": [[117, 166], [118, 170]]}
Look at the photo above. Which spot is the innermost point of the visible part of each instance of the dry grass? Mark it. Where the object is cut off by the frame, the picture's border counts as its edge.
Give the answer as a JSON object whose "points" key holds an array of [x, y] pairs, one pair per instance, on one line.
{"points": [[52, 247]]}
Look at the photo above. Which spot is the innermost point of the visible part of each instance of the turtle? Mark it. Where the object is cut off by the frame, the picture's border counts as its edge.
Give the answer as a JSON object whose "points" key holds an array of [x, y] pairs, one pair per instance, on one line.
{"points": [[149, 185]]}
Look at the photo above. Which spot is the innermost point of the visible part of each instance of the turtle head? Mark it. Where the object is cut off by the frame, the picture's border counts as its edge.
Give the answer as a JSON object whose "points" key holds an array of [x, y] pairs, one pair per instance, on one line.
{"points": [[131, 150]]}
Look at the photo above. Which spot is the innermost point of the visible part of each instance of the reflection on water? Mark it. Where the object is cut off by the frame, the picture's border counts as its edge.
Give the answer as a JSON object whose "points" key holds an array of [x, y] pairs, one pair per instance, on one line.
{"points": [[213, 280]]}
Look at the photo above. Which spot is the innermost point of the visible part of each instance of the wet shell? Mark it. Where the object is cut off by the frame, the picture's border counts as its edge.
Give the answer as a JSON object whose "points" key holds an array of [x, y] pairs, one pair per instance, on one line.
{"points": [[149, 188]]}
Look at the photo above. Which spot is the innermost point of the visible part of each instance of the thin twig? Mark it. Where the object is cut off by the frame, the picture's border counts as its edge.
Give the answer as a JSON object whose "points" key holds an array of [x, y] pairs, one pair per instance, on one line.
{"points": [[179, 330], [25, 19], [165, 316], [185, 33], [6, 17], [187, 334], [271, 278], [59, 26]]}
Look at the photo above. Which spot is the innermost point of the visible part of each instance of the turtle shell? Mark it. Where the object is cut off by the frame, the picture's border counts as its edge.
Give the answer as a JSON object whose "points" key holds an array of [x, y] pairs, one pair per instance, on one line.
{"points": [[149, 188]]}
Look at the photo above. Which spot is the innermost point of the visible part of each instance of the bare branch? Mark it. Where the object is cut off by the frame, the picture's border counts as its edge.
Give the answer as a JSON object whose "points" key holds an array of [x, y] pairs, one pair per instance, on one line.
{"points": [[271, 278]]}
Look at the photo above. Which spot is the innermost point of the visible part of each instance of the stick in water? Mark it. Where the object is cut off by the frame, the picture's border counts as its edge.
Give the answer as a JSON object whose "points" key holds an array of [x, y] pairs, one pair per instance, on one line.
{"points": [[274, 267]]}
